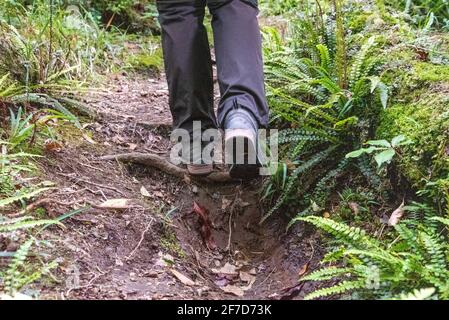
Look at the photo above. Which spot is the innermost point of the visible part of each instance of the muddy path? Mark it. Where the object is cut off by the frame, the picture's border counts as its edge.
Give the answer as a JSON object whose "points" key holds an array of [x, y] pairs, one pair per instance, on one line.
{"points": [[154, 249]]}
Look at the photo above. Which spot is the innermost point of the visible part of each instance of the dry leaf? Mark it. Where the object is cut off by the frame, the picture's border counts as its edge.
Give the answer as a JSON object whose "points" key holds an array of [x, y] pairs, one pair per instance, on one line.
{"points": [[225, 203], [115, 204], [234, 290], [354, 207], [88, 139], [206, 226], [184, 279], [396, 215], [303, 270], [144, 192], [17, 296], [248, 278], [158, 194], [52, 146], [227, 269]]}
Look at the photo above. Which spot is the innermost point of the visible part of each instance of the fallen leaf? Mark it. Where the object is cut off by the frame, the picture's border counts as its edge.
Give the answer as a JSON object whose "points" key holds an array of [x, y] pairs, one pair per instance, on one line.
{"points": [[290, 165], [89, 139], [144, 192], [396, 215], [225, 203], [206, 226], [115, 204], [52, 146], [17, 296], [184, 279], [227, 269], [303, 270], [221, 282], [234, 290], [158, 194], [248, 278], [354, 207]]}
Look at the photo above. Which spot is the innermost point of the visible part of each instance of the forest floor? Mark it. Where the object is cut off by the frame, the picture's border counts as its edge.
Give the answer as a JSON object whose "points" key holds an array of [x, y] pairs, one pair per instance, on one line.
{"points": [[154, 249]]}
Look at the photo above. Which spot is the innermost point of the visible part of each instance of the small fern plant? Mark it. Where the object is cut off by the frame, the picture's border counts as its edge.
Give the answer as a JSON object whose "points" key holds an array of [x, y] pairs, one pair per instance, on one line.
{"points": [[322, 119], [413, 264]]}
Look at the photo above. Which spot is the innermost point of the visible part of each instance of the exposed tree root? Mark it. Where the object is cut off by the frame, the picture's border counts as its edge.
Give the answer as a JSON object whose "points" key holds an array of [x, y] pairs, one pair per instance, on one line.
{"points": [[161, 163]]}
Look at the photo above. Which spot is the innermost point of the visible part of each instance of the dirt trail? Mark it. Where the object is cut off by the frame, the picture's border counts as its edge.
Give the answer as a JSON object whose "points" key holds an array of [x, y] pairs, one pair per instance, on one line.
{"points": [[131, 254]]}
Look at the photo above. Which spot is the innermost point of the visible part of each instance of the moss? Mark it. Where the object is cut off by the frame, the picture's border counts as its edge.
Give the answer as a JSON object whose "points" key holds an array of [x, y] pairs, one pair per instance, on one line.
{"points": [[358, 22], [430, 72], [170, 242], [147, 61], [427, 124]]}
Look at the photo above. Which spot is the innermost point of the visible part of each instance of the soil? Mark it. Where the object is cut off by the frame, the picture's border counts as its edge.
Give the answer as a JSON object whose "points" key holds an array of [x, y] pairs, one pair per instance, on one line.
{"points": [[154, 249]]}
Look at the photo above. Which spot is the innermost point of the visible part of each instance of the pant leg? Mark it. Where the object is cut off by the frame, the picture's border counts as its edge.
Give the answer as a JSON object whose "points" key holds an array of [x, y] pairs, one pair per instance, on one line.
{"points": [[188, 64], [238, 50]]}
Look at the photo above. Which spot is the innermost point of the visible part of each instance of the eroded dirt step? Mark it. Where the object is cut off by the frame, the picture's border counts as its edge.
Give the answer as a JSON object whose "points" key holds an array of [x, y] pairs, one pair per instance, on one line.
{"points": [[156, 249]]}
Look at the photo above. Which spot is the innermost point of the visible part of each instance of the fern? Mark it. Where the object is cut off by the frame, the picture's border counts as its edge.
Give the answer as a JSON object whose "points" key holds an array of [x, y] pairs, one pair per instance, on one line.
{"points": [[22, 196], [416, 259], [294, 177], [13, 225], [418, 294], [342, 232], [326, 274], [13, 272], [359, 61], [340, 288]]}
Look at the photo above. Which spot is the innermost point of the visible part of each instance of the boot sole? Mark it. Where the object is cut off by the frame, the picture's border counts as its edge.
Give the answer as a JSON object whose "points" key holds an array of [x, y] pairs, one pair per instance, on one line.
{"points": [[244, 169]]}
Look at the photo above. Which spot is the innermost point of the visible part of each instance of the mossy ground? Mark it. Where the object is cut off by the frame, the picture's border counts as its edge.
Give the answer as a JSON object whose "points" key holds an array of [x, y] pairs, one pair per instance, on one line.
{"points": [[419, 106]]}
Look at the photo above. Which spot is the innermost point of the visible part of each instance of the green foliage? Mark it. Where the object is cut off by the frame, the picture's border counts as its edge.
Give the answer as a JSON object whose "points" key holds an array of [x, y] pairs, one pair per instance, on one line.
{"points": [[309, 88], [413, 262], [385, 151], [276, 7], [13, 272], [421, 11]]}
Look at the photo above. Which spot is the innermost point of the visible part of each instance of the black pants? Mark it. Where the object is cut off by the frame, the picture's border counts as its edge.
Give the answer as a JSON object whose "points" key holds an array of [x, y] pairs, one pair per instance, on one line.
{"points": [[188, 63]]}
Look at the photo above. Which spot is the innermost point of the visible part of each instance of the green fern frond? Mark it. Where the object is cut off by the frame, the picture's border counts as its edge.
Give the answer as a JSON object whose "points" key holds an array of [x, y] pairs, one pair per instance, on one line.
{"points": [[22, 225], [294, 177], [18, 261], [325, 58], [340, 288], [350, 235], [442, 220], [22, 196], [360, 59], [418, 294], [326, 274], [435, 253]]}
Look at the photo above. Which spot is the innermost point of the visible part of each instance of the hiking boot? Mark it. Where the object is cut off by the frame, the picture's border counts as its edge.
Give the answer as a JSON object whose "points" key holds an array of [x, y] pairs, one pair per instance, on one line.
{"points": [[241, 145], [196, 166]]}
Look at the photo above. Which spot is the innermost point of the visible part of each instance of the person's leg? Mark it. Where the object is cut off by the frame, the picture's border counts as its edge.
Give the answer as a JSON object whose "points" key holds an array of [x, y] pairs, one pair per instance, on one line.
{"points": [[238, 49], [188, 64], [243, 107]]}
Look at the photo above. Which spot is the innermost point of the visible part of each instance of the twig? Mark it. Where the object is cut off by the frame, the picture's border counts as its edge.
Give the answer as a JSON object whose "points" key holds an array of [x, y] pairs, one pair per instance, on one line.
{"points": [[91, 183], [228, 247], [142, 237], [40, 203]]}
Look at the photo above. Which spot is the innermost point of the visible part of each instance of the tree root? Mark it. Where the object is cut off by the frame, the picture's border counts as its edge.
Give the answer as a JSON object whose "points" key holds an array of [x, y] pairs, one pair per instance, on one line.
{"points": [[161, 163]]}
